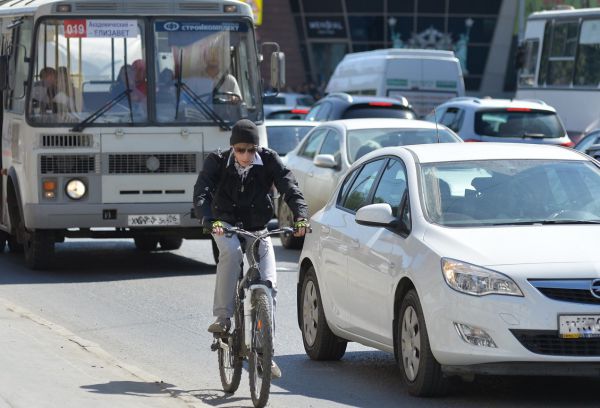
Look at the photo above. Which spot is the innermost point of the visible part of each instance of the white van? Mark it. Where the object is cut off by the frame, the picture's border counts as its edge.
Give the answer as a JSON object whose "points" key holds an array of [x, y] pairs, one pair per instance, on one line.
{"points": [[426, 77]]}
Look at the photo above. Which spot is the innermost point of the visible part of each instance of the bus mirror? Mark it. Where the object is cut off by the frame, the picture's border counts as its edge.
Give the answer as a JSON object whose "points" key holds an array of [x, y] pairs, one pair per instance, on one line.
{"points": [[277, 70], [520, 57], [3, 72]]}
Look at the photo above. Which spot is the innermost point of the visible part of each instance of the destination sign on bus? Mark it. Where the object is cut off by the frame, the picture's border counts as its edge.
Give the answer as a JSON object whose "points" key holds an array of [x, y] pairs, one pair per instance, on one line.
{"points": [[191, 26], [82, 28]]}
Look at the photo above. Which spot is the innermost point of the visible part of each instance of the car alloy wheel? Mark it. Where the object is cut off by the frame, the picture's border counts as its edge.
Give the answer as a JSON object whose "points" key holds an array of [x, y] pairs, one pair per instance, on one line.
{"points": [[411, 343]]}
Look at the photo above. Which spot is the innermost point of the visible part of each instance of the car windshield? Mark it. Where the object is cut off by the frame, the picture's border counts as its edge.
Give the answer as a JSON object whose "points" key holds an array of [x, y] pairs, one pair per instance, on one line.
{"points": [[282, 139], [519, 123], [363, 141], [509, 192]]}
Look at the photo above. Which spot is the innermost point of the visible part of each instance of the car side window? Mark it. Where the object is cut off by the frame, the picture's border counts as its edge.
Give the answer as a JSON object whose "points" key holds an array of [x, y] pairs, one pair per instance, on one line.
{"points": [[392, 185], [313, 112], [590, 140], [324, 112], [453, 118], [331, 145], [361, 186], [311, 146]]}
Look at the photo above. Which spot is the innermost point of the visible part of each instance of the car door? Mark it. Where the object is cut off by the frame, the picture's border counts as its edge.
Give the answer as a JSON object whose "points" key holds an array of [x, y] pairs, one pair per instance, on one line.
{"points": [[322, 181], [375, 262], [357, 195], [302, 163]]}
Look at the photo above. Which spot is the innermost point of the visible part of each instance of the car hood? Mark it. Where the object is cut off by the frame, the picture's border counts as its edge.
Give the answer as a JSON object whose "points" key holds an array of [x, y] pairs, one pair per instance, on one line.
{"points": [[535, 244]]}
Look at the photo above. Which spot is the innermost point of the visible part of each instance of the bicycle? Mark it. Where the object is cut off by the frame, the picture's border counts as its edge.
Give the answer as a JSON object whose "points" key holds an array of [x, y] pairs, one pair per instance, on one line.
{"points": [[253, 307]]}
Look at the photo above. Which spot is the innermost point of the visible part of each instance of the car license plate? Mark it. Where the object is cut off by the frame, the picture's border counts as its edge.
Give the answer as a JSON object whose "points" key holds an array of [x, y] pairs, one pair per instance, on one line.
{"points": [[153, 220], [578, 326]]}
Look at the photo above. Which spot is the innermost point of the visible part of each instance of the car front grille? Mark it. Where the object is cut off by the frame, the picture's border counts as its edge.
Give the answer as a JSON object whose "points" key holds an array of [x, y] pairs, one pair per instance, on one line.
{"points": [[567, 290], [170, 163], [547, 342]]}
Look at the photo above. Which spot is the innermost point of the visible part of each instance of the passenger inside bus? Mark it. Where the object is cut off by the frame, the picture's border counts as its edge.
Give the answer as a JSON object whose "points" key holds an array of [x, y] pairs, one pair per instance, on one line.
{"points": [[65, 98], [126, 80], [44, 91]]}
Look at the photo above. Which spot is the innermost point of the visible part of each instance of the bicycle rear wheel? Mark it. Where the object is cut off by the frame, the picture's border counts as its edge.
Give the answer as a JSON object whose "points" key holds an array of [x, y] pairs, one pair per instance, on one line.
{"points": [[230, 360], [261, 354]]}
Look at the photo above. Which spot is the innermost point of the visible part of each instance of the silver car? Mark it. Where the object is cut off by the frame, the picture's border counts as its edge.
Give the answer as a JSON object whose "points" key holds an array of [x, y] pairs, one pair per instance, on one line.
{"points": [[328, 150]]}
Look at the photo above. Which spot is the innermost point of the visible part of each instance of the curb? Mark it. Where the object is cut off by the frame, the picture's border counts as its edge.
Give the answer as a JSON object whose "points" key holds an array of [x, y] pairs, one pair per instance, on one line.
{"points": [[101, 354]]}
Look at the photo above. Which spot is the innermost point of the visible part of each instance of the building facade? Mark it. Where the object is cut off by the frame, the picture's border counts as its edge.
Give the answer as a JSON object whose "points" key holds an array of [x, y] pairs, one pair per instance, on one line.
{"points": [[316, 34]]}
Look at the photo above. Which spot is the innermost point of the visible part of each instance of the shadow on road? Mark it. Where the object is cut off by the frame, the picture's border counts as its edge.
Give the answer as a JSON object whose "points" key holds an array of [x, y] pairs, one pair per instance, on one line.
{"points": [[99, 261], [141, 389], [362, 378]]}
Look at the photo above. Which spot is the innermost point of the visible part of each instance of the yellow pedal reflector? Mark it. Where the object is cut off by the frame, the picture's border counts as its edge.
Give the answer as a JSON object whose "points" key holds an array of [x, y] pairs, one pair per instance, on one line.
{"points": [[259, 324]]}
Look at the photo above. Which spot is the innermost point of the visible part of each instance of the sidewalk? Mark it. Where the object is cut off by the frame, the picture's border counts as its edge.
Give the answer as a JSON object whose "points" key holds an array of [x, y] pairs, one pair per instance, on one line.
{"points": [[45, 365]]}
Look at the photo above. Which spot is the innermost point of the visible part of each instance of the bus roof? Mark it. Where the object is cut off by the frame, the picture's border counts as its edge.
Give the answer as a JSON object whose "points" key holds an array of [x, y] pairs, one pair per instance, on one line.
{"points": [[112, 7], [574, 13]]}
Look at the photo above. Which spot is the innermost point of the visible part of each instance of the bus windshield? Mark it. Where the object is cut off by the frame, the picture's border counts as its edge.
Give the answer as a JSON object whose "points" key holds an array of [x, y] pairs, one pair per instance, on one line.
{"points": [[97, 71]]}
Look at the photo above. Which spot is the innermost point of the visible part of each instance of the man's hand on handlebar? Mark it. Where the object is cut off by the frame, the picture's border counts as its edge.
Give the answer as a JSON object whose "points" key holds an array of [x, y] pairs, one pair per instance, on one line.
{"points": [[300, 227], [217, 228]]}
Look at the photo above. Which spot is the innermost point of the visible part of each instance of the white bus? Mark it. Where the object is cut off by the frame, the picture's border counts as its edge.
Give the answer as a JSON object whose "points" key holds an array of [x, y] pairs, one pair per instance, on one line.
{"points": [[108, 110], [560, 65]]}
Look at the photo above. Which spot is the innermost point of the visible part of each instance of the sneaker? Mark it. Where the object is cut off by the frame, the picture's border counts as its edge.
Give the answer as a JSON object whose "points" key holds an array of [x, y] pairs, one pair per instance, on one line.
{"points": [[221, 325], [275, 370]]}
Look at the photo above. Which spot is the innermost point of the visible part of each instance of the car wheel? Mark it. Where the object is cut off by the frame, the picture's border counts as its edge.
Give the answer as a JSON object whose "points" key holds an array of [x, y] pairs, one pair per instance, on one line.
{"points": [[319, 341], [170, 243], [145, 243], [286, 219], [420, 370]]}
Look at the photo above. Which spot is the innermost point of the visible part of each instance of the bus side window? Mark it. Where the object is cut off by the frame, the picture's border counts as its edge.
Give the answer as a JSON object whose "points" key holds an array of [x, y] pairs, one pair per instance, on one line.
{"points": [[19, 66]]}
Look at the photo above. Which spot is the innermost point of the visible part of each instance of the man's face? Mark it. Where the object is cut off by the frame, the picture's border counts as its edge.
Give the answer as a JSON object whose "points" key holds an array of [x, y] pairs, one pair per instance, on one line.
{"points": [[244, 153]]}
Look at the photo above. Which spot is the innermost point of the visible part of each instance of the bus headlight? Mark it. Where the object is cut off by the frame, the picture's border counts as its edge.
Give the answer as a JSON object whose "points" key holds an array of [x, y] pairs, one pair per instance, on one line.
{"points": [[75, 189]]}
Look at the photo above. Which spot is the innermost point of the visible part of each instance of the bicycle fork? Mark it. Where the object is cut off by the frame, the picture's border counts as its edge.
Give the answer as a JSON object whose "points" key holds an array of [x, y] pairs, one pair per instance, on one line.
{"points": [[248, 310]]}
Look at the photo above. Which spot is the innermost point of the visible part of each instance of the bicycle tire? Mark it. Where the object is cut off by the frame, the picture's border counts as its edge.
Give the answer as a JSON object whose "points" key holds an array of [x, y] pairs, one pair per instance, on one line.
{"points": [[230, 361], [261, 355]]}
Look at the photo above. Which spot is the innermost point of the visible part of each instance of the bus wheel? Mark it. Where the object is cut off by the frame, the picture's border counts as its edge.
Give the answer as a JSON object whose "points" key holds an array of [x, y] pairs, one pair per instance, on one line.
{"points": [[13, 245], [170, 243], [3, 239], [39, 250], [145, 243]]}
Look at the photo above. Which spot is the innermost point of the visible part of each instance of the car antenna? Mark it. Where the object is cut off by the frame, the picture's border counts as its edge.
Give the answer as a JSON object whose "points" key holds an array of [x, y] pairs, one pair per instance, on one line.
{"points": [[437, 133]]}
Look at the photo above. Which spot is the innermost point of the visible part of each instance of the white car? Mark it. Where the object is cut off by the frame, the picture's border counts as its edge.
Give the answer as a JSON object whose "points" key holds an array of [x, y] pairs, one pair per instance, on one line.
{"points": [[284, 135], [327, 152], [459, 259], [502, 120]]}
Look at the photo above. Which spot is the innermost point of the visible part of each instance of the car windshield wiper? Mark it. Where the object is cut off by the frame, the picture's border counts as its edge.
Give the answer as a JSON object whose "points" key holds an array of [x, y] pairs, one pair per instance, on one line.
{"points": [[546, 222], [103, 109], [533, 135], [196, 99]]}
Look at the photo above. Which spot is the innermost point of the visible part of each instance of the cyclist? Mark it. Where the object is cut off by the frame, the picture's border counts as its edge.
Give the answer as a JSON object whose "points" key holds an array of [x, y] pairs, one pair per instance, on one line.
{"points": [[233, 187]]}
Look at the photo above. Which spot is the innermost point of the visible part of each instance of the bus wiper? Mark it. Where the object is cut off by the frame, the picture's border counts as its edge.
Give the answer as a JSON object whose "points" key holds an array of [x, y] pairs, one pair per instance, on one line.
{"points": [[197, 100], [103, 109]]}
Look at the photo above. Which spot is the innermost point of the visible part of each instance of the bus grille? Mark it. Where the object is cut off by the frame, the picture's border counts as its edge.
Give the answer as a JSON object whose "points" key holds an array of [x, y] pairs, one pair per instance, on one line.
{"points": [[67, 141], [172, 163], [68, 164]]}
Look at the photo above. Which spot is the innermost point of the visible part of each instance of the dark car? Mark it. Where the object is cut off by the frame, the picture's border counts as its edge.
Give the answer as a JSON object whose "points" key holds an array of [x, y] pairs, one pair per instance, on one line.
{"points": [[345, 106], [590, 144]]}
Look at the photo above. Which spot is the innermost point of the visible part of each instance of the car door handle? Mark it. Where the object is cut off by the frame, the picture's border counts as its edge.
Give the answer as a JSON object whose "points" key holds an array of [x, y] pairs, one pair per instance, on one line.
{"points": [[311, 174], [325, 230], [354, 243]]}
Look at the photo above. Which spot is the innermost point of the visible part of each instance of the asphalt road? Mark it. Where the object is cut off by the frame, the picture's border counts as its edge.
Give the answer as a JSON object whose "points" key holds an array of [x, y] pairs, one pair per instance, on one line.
{"points": [[151, 310]]}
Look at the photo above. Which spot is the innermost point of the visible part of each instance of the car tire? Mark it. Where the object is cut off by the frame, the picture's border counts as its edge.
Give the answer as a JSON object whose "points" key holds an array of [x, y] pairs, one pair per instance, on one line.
{"points": [[319, 341], [170, 243], [146, 243], [286, 219], [420, 370]]}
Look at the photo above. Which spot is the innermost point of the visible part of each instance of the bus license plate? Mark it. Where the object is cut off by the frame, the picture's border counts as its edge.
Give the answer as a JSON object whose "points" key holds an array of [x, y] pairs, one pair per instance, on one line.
{"points": [[578, 326], [153, 220]]}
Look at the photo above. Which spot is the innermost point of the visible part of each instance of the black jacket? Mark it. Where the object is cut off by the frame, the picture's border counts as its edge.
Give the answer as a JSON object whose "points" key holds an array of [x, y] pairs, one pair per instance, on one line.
{"points": [[220, 195]]}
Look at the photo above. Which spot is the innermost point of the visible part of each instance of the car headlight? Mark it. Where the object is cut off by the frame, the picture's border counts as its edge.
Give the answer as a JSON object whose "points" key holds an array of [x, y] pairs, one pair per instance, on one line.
{"points": [[75, 189], [477, 281]]}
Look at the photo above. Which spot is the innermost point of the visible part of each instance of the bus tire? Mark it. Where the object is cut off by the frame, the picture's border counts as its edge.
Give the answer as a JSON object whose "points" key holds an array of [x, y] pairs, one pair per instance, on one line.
{"points": [[170, 243], [145, 243], [39, 250]]}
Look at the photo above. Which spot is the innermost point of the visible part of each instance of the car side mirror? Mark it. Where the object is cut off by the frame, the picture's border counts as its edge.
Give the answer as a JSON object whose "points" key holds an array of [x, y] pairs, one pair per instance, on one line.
{"points": [[376, 215], [326, 161]]}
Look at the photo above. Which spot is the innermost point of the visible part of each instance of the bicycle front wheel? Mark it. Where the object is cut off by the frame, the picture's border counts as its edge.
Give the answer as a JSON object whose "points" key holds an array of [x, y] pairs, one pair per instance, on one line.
{"points": [[230, 359], [261, 354]]}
